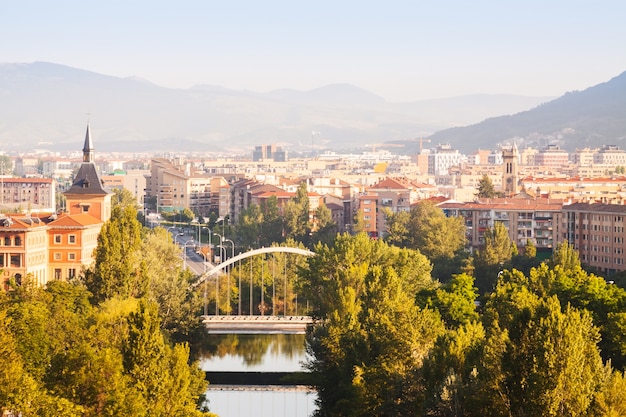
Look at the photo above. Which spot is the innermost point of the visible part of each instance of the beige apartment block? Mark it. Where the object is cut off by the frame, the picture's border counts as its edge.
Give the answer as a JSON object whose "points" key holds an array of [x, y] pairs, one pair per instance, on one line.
{"points": [[597, 232], [536, 220], [27, 194]]}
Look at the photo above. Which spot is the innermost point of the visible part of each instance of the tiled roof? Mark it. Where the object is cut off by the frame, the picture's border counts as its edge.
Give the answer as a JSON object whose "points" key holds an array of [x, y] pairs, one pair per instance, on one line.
{"points": [[596, 208], [75, 220], [389, 183]]}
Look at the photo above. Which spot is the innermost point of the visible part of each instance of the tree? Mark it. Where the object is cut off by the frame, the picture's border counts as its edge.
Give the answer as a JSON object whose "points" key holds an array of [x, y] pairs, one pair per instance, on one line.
{"points": [[297, 223], [124, 198], [455, 301], [427, 229], [493, 257], [326, 228], [486, 188], [248, 229], [117, 269], [372, 339], [166, 384]]}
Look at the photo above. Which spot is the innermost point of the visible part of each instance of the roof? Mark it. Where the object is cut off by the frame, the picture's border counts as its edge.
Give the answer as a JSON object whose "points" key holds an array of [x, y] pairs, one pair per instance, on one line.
{"points": [[508, 205], [87, 182], [74, 220], [596, 208], [389, 183], [20, 222]]}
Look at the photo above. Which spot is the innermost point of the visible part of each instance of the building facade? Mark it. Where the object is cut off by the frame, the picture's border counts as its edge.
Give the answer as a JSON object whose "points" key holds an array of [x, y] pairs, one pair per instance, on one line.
{"points": [[596, 231]]}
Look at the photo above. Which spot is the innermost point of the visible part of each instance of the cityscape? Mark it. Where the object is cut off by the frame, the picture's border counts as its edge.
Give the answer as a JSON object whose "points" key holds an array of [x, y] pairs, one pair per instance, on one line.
{"points": [[323, 209], [541, 198]]}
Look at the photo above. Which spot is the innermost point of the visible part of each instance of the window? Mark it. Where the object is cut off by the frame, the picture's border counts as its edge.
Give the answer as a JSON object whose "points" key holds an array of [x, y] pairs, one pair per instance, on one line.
{"points": [[71, 256], [57, 256], [71, 273], [7, 241], [16, 261], [57, 273], [85, 209], [18, 241], [57, 239], [71, 238]]}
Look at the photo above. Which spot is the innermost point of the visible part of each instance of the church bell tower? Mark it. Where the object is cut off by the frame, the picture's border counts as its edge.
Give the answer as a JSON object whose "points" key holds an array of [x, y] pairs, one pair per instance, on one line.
{"points": [[510, 160]]}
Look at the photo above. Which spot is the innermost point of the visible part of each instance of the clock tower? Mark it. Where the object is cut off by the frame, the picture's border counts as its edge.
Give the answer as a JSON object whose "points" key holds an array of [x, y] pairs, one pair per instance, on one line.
{"points": [[510, 159]]}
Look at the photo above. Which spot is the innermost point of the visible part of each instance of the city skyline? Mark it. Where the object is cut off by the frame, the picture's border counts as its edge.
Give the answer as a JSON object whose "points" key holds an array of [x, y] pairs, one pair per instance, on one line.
{"points": [[401, 52]]}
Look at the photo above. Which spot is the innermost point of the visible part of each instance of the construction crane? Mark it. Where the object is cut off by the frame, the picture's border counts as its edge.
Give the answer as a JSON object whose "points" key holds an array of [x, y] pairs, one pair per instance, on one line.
{"points": [[421, 142]]}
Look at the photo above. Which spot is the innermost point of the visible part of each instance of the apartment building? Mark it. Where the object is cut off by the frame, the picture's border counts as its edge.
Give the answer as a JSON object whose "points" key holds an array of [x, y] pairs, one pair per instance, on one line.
{"points": [[176, 187], [442, 158], [552, 156], [537, 220], [601, 189], [27, 194], [597, 232]]}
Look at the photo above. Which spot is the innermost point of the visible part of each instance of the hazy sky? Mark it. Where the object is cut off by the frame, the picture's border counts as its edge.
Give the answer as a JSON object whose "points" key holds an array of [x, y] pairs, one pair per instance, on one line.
{"points": [[400, 50]]}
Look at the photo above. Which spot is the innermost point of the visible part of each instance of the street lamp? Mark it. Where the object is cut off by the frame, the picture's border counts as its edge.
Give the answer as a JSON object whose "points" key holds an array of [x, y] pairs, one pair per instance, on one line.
{"points": [[217, 234], [168, 232], [206, 305], [232, 255], [185, 252]]}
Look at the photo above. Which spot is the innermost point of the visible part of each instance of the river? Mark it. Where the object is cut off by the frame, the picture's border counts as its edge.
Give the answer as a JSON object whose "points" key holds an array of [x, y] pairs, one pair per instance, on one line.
{"points": [[258, 354]]}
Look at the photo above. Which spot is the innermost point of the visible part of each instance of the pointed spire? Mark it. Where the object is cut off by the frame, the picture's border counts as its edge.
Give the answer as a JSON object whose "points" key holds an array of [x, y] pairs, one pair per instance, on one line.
{"points": [[88, 147]]}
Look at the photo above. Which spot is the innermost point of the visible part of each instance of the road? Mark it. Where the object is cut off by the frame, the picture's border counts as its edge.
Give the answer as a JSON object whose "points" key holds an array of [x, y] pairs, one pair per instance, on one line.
{"points": [[193, 260]]}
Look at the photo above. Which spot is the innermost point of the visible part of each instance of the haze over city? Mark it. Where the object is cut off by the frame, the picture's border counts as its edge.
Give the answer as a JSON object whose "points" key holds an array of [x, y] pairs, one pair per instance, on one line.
{"points": [[399, 50]]}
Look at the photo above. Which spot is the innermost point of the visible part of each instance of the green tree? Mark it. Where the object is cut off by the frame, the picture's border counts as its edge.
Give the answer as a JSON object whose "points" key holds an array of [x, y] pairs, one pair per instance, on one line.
{"points": [[297, 223], [427, 229], [486, 188], [493, 257], [248, 229], [167, 385], [124, 198], [455, 301], [117, 269], [372, 338], [358, 223], [326, 229], [271, 230]]}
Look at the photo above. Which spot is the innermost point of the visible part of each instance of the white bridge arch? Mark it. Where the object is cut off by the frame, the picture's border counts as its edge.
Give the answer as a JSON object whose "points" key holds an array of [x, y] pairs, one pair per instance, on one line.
{"points": [[272, 249]]}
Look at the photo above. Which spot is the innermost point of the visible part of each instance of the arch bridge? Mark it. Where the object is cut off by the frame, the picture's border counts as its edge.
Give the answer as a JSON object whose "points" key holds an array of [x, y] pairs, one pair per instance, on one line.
{"points": [[251, 324]]}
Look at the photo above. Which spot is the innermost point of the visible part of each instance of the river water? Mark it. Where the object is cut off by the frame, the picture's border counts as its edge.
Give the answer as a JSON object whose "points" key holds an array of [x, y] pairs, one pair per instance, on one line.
{"points": [[258, 353]]}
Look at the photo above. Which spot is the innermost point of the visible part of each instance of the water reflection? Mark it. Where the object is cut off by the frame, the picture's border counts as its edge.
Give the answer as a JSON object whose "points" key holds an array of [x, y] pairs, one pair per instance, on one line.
{"points": [[254, 353]]}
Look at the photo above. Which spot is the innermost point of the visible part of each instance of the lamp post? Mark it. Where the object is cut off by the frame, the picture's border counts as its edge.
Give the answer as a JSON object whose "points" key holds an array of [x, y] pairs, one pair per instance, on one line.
{"points": [[232, 255], [206, 306], [217, 234], [168, 232], [185, 252]]}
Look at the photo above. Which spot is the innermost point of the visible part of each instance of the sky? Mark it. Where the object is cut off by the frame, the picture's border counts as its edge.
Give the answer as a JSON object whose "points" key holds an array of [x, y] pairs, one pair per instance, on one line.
{"points": [[399, 50]]}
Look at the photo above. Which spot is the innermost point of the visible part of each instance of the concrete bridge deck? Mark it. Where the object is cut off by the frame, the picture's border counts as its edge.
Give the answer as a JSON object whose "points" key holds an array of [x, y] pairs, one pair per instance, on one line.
{"points": [[235, 324]]}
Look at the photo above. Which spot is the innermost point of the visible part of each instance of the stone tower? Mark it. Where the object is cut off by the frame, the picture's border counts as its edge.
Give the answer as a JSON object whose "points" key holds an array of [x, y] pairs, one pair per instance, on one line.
{"points": [[510, 160]]}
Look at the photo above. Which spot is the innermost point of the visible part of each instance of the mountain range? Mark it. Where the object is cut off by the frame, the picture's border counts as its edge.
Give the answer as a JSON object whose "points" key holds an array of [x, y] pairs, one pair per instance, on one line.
{"points": [[45, 105], [593, 117]]}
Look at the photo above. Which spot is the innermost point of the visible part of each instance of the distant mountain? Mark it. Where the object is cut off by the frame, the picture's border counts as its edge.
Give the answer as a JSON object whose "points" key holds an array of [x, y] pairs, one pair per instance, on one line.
{"points": [[579, 119], [46, 105]]}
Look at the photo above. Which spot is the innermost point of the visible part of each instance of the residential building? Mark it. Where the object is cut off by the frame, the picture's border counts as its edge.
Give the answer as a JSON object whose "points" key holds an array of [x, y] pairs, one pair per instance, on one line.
{"points": [[552, 156], [537, 220], [597, 232], [442, 159], [610, 155], [27, 194]]}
